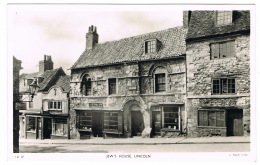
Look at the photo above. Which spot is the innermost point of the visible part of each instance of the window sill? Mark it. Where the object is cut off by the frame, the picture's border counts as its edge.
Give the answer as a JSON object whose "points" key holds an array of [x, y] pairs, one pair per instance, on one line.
{"points": [[30, 132], [59, 135], [212, 127], [170, 130], [84, 130], [112, 132]]}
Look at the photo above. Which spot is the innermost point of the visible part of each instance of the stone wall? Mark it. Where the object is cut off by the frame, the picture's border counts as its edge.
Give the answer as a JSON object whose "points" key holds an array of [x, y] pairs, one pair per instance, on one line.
{"points": [[200, 71], [131, 79]]}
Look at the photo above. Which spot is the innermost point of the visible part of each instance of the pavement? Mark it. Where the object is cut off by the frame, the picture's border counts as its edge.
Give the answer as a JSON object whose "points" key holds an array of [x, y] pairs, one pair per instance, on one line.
{"points": [[140, 140]]}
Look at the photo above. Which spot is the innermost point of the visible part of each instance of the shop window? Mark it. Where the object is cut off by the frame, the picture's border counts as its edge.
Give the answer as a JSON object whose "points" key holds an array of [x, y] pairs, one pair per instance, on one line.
{"points": [[112, 86], [60, 127], [31, 126], [224, 17], [55, 105], [211, 118], [84, 120], [171, 118], [160, 82], [111, 121], [223, 86], [222, 50], [86, 88]]}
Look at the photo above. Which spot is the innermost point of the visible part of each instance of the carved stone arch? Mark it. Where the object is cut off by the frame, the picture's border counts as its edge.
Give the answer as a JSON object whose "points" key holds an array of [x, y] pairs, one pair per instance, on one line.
{"points": [[153, 67], [86, 73], [127, 107]]}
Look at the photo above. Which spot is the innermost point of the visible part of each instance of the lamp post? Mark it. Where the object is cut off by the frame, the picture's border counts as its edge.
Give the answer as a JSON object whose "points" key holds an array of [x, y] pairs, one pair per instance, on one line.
{"points": [[33, 89]]}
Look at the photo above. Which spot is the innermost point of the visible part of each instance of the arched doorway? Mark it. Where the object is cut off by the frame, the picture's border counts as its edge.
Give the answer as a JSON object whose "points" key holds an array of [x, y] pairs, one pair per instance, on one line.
{"points": [[137, 120]]}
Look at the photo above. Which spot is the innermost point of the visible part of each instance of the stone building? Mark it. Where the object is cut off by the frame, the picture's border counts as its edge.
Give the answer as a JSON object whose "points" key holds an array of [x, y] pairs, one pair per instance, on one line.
{"points": [[218, 73], [130, 87], [46, 115]]}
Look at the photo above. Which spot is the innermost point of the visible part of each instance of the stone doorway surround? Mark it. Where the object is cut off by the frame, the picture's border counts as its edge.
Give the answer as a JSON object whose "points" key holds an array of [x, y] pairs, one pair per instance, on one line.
{"points": [[127, 106]]}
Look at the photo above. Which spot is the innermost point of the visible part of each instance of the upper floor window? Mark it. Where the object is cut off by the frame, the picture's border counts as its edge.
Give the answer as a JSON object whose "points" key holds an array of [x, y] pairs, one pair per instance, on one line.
{"points": [[223, 86], [222, 49], [160, 82], [224, 17], [112, 86], [151, 46], [55, 105], [86, 88]]}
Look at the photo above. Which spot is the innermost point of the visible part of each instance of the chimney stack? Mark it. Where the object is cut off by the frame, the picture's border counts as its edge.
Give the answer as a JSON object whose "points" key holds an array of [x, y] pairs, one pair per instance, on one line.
{"points": [[45, 64], [91, 37], [186, 18]]}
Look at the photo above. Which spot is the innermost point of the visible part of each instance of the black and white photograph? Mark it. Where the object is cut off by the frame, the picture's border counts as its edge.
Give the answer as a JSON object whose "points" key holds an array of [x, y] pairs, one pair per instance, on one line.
{"points": [[131, 82]]}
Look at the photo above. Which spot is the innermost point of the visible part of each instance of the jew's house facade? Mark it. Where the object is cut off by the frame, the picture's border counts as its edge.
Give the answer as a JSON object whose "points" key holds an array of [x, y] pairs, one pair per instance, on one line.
{"points": [[218, 73], [130, 87]]}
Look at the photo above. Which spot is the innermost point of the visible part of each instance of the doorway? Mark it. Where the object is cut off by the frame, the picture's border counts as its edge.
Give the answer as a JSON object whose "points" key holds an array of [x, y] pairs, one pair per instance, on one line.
{"points": [[137, 123], [47, 128], [97, 124], [156, 123], [235, 122]]}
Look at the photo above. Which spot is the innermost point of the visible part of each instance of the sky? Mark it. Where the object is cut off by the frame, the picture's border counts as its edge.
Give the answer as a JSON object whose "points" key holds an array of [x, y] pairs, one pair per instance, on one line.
{"points": [[59, 30]]}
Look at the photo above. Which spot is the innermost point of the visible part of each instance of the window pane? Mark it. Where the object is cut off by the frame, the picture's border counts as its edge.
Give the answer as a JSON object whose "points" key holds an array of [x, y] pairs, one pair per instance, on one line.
{"points": [[220, 119], [171, 117], [224, 86], [216, 86], [160, 82], [224, 17], [85, 120], [111, 121], [112, 86], [231, 86], [31, 124], [212, 118], [59, 105], [203, 118]]}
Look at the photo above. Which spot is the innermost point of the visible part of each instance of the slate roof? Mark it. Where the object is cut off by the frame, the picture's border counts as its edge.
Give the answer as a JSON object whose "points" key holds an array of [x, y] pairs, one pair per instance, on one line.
{"points": [[202, 24], [64, 83], [172, 43]]}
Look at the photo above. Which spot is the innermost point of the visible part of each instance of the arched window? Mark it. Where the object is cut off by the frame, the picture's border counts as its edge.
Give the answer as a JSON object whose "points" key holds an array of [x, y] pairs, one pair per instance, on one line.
{"points": [[86, 85]]}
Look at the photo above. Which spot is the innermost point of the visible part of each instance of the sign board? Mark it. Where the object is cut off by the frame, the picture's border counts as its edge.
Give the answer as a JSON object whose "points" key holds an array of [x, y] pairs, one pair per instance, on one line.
{"points": [[20, 106], [95, 105]]}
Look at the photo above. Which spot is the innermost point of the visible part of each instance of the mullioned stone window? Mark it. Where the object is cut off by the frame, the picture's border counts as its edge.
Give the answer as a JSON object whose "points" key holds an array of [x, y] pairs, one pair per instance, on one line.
{"points": [[86, 87]]}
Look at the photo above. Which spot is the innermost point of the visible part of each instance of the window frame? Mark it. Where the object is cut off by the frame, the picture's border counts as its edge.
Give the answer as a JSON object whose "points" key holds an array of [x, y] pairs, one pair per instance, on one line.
{"points": [[229, 52], [178, 119], [217, 23], [84, 116], [156, 83], [108, 86], [111, 120], [221, 86], [86, 85], [53, 103], [63, 122], [153, 46], [208, 123]]}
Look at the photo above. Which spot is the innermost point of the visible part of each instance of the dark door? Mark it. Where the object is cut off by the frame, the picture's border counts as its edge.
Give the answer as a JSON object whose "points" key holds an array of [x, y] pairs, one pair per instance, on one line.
{"points": [[47, 128], [97, 124], [156, 123], [137, 123], [235, 122]]}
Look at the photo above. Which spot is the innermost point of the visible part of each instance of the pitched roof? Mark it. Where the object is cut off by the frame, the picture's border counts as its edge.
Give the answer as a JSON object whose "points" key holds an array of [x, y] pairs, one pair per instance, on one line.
{"points": [[50, 77], [132, 49], [64, 83], [202, 24]]}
